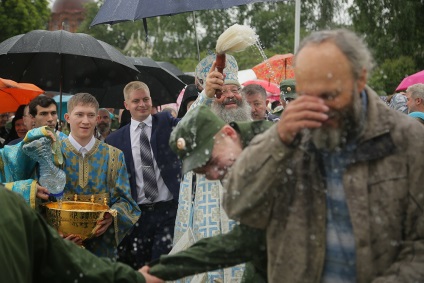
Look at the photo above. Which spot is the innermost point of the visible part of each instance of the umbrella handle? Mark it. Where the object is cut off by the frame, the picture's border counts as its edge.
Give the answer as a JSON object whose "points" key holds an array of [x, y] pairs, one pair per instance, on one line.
{"points": [[220, 65]]}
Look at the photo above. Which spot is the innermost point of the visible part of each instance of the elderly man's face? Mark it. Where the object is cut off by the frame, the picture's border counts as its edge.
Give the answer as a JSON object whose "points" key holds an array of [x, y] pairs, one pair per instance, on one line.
{"points": [[231, 106], [103, 120], [410, 103], [322, 70], [230, 97]]}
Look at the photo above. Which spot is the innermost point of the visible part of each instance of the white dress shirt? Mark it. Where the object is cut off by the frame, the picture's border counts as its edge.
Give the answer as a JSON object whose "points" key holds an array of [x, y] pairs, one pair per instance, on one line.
{"points": [[135, 130], [82, 149]]}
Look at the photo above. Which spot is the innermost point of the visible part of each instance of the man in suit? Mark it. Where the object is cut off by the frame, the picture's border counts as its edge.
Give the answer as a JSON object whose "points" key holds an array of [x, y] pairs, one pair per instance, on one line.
{"points": [[154, 172]]}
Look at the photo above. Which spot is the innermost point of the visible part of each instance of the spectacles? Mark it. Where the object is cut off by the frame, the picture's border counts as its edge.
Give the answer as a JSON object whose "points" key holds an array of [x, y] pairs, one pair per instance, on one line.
{"points": [[232, 90]]}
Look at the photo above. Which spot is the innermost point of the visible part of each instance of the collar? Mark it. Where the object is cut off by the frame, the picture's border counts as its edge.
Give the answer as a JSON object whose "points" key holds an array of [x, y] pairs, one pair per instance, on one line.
{"points": [[78, 147], [134, 123]]}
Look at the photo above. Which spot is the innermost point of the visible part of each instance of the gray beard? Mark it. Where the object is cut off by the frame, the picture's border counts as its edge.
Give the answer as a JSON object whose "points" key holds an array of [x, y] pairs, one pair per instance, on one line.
{"points": [[103, 129], [331, 139], [241, 113]]}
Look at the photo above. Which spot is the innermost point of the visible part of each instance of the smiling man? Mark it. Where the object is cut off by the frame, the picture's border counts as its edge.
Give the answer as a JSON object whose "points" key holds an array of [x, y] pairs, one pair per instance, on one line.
{"points": [[154, 175], [318, 183], [95, 168], [92, 168], [230, 106]]}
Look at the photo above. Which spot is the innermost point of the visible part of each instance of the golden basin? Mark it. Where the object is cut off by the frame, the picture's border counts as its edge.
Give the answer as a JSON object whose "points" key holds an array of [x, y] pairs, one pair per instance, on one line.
{"points": [[75, 217]]}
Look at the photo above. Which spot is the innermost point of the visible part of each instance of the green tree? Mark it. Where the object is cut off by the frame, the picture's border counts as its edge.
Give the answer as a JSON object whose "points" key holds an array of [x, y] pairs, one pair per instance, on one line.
{"points": [[391, 72], [22, 16], [117, 35], [392, 28], [172, 38]]}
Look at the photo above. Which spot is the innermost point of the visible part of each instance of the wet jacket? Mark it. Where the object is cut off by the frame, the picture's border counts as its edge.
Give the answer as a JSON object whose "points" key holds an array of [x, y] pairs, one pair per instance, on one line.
{"points": [[281, 188]]}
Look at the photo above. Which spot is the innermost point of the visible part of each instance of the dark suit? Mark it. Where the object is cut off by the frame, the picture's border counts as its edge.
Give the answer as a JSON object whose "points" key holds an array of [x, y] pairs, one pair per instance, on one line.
{"points": [[156, 221]]}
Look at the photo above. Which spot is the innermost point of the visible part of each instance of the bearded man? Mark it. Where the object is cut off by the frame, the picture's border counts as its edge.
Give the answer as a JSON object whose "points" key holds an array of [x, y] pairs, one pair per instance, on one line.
{"points": [[200, 214], [104, 123], [335, 183]]}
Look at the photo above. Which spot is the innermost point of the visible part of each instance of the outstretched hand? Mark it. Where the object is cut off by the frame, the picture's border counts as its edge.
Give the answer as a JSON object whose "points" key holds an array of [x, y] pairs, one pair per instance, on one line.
{"points": [[149, 278], [304, 112]]}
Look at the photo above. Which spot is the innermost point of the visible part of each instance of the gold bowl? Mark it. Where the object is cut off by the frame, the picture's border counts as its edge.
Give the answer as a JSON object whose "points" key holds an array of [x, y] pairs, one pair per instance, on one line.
{"points": [[75, 217]]}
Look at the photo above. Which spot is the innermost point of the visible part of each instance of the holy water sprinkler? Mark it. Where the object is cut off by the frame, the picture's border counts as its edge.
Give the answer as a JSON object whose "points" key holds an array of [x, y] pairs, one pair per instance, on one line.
{"points": [[234, 39]]}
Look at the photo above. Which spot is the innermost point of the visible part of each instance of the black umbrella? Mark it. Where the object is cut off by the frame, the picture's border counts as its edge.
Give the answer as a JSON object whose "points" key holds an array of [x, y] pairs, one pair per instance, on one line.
{"points": [[163, 85], [64, 61], [116, 11], [186, 78]]}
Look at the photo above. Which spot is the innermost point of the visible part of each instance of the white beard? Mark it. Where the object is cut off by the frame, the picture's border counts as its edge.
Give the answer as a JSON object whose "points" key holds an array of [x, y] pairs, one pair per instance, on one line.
{"points": [[241, 113]]}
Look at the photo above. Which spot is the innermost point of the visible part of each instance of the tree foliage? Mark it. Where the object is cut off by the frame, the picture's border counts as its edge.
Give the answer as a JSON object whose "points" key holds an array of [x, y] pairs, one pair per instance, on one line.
{"points": [[118, 35], [387, 76], [22, 16], [392, 28]]}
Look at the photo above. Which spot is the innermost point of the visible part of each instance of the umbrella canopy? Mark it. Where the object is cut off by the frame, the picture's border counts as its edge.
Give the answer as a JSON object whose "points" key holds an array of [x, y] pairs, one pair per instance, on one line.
{"points": [[411, 80], [186, 78], [275, 69], [64, 105], [63, 61], [115, 11], [164, 86], [13, 94], [268, 86]]}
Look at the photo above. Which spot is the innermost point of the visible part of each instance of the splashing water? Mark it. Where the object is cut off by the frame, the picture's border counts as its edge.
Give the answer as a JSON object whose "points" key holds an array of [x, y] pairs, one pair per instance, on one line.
{"points": [[258, 45]]}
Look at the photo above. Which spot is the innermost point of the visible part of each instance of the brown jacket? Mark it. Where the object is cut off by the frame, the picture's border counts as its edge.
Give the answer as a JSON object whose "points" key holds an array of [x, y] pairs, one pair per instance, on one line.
{"points": [[280, 189]]}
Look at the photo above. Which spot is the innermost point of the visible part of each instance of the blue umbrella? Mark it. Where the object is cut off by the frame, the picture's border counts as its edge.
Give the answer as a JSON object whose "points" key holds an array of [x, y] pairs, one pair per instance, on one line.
{"points": [[116, 11], [63, 105]]}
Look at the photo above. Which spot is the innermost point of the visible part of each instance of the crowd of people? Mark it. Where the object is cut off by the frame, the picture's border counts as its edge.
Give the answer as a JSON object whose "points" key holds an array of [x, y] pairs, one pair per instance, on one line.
{"points": [[324, 187]]}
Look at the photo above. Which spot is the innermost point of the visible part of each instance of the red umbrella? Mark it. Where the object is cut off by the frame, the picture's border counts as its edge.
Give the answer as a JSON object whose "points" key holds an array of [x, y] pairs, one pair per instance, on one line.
{"points": [[268, 86], [276, 69], [13, 94], [411, 80]]}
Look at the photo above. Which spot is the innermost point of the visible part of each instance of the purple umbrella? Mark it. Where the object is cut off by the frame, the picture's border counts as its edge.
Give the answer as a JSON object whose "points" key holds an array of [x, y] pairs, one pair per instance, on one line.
{"points": [[411, 80]]}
